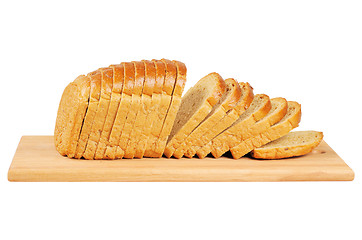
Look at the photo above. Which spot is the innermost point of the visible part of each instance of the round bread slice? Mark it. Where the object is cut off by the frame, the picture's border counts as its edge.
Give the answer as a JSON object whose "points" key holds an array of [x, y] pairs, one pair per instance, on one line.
{"points": [[164, 85], [258, 109], [71, 112], [197, 103], [246, 99], [144, 108], [232, 115], [135, 73], [95, 92], [180, 75], [110, 123], [291, 145], [122, 113], [290, 121], [101, 114], [225, 104]]}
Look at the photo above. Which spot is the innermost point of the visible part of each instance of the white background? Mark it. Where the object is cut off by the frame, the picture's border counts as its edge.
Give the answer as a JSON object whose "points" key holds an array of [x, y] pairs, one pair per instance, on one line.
{"points": [[309, 51]]}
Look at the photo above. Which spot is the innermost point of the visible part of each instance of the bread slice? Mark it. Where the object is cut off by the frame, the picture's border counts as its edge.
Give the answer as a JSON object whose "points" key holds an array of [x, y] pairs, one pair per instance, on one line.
{"points": [[118, 73], [144, 108], [166, 92], [290, 120], [225, 104], [72, 109], [95, 92], [124, 149], [122, 113], [291, 145], [244, 102], [259, 108], [197, 103], [152, 115], [174, 106], [101, 114]]}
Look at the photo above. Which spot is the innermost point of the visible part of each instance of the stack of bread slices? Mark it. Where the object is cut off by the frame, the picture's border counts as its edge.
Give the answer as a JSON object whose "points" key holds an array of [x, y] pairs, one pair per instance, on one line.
{"points": [[136, 109]]}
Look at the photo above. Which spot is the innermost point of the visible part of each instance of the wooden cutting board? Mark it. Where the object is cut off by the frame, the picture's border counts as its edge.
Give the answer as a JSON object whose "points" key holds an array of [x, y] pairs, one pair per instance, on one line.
{"points": [[36, 160]]}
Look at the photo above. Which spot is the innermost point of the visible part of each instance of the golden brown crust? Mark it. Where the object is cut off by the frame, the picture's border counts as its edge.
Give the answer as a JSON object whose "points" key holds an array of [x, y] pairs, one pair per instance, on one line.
{"points": [[118, 75], [139, 77], [170, 78], [181, 78], [150, 77], [287, 151], [290, 121], [129, 80], [160, 76]]}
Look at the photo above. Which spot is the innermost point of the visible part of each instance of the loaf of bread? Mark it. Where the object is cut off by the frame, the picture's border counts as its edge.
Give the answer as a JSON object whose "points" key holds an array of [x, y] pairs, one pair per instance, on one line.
{"points": [[136, 109]]}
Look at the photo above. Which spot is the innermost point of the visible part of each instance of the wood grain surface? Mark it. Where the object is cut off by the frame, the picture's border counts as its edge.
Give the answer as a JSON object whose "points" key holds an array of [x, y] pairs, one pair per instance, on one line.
{"points": [[36, 160]]}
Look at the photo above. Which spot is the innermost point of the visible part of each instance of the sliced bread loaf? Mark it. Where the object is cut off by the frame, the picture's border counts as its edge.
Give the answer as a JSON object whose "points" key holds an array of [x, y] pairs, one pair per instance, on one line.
{"points": [[244, 102], [259, 108], [166, 92], [122, 113], [95, 92], [71, 112], [118, 72], [291, 145], [225, 104], [286, 124], [145, 106], [179, 71], [101, 114], [197, 103]]}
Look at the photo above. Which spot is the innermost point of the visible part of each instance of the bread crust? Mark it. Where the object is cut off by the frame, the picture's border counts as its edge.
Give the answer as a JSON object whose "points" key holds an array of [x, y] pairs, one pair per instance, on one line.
{"points": [[95, 92], [71, 112], [289, 122], [287, 151], [162, 109], [202, 147], [101, 114], [228, 104], [118, 74]]}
